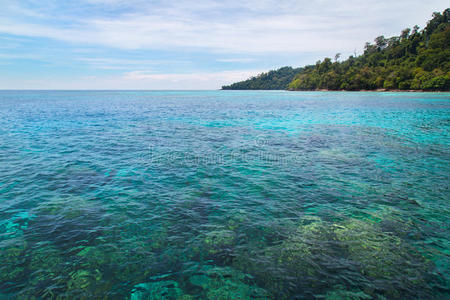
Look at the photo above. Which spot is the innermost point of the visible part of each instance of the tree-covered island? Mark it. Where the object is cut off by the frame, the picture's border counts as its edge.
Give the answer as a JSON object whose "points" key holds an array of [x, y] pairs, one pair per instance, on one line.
{"points": [[415, 60]]}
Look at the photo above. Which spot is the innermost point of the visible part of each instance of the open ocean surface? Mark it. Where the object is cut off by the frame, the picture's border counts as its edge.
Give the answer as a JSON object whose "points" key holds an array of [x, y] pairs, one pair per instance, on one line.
{"points": [[224, 195]]}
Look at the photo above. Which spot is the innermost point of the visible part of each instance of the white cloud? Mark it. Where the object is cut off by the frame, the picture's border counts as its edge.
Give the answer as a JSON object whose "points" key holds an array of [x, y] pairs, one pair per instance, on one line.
{"points": [[139, 80], [236, 27], [224, 77], [125, 64], [237, 60]]}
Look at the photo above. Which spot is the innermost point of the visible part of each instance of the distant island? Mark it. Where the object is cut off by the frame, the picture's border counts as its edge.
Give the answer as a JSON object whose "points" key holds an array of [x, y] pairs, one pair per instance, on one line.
{"points": [[273, 80], [415, 60]]}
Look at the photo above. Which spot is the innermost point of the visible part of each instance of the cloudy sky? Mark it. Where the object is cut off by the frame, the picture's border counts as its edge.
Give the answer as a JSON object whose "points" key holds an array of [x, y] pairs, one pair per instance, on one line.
{"points": [[203, 44]]}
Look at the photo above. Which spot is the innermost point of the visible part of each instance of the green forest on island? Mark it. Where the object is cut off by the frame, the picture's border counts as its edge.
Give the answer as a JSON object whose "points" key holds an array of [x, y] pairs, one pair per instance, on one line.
{"points": [[272, 80], [415, 60]]}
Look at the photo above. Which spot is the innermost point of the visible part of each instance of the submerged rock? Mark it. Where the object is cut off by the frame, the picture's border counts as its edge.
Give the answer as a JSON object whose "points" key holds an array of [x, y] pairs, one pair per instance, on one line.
{"points": [[219, 241], [67, 222], [226, 283], [342, 294], [82, 279], [159, 290], [384, 257], [12, 267], [319, 253]]}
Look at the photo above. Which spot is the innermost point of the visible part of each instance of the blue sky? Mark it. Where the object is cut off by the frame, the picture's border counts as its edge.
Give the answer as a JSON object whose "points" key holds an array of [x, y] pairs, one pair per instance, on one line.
{"points": [[203, 44]]}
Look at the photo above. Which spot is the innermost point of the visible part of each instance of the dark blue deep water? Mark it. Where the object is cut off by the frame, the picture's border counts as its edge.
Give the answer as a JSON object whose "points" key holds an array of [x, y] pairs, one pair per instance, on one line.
{"points": [[224, 195]]}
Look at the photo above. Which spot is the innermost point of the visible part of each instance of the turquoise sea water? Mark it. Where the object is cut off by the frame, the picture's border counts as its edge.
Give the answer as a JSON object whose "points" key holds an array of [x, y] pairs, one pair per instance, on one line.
{"points": [[224, 195]]}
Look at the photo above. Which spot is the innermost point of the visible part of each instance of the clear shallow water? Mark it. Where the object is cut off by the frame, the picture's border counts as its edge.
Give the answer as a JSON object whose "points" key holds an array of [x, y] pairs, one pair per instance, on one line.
{"points": [[224, 195]]}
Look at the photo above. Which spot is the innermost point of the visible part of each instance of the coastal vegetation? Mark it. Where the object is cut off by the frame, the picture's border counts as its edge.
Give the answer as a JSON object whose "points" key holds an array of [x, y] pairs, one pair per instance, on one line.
{"points": [[272, 80], [415, 60]]}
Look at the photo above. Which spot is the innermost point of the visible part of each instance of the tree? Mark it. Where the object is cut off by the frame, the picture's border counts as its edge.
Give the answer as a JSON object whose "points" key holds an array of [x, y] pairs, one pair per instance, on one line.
{"points": [[405, 33], [337, 56], [381, 42]]}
